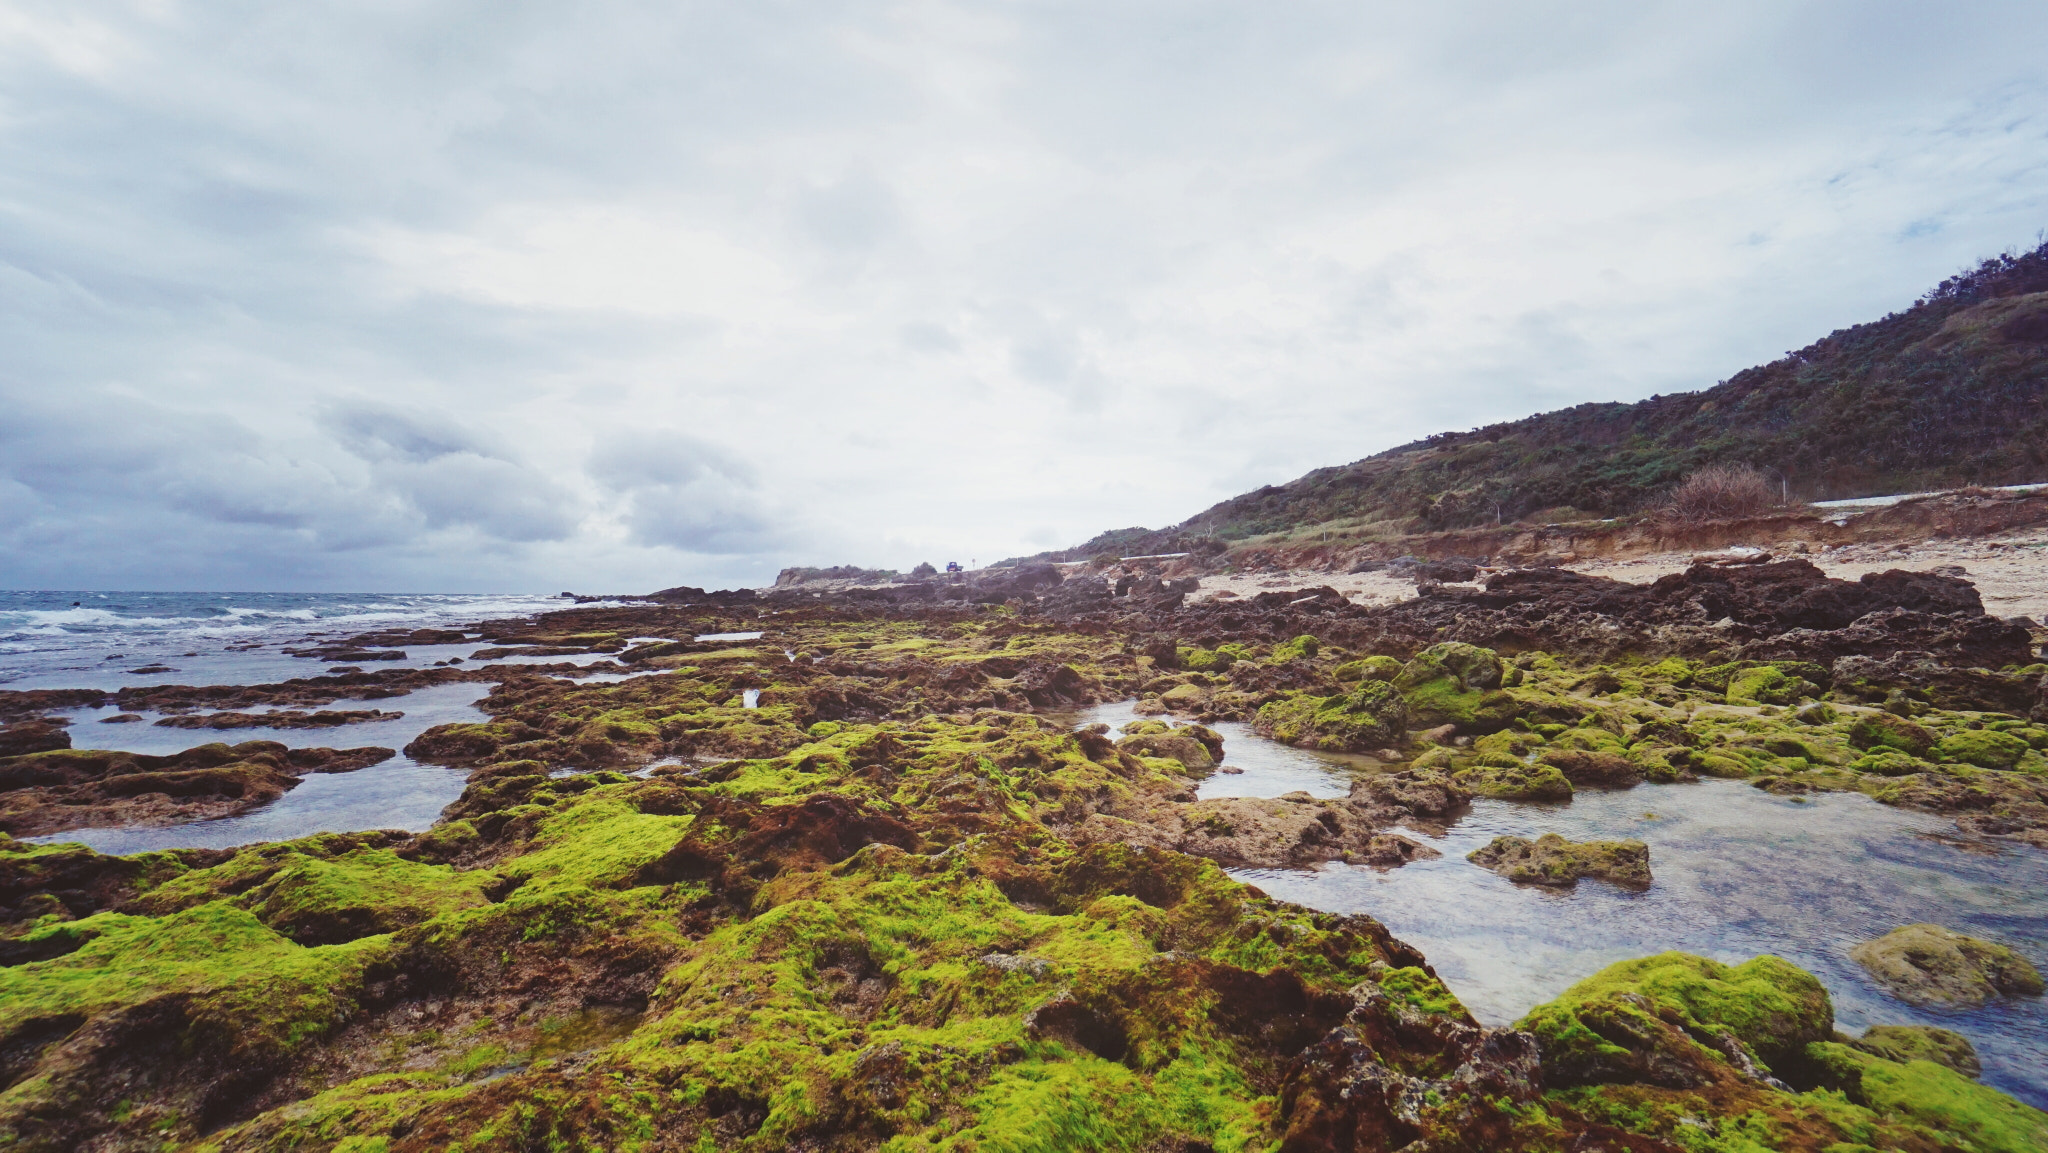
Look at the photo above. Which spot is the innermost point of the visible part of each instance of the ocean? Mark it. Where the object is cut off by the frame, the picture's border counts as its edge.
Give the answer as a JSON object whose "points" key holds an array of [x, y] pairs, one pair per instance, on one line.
{"points": [[98, 640], [111, 640]]}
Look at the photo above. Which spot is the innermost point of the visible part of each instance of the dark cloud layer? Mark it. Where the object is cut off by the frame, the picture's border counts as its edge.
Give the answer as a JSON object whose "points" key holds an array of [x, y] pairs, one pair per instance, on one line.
{"points": [[484, 296]]}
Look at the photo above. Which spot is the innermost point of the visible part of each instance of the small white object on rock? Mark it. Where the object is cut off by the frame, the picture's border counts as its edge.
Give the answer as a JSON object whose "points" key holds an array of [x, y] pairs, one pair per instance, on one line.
{"points": [[1008, 963], [1739, 554]]}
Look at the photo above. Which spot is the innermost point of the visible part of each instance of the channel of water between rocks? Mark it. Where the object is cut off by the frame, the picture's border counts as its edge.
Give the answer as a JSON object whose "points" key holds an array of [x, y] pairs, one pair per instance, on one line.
{"points": [[1738, 872]]}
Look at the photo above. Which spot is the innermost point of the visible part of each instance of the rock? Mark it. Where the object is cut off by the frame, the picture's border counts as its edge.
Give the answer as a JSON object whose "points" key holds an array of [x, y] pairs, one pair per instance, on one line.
{"points": [[1302, 647], [1982, 748], [1353, 1091], [1371, 716], [61, 789], [32, 737], [1768, 684], [1077, 1026], [1552, 860], [281, 719], [1904, 675], [1886, 762], [1174, 744], [1390, 851], [1677, 1021], [1594, 769], [1903, 1043], [1034, 967], [1817, 714], [1471, 668], [1882, 730], [1929, 965], [1783, 610], [1374, 668], [1517, 782]]}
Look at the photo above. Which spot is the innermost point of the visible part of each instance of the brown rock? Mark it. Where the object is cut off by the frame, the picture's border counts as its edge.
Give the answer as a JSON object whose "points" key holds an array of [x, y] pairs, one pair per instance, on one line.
{"points": [[1552, 860], [1929, 965]]}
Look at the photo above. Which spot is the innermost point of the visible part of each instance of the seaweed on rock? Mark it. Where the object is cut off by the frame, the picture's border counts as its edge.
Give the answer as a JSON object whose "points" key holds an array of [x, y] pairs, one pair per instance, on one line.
{"points": [[899, 905]]}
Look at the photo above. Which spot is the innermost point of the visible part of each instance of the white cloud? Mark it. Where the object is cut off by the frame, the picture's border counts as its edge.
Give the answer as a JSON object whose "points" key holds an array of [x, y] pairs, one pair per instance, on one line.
{"points": [[468, 296], [585, 257]]}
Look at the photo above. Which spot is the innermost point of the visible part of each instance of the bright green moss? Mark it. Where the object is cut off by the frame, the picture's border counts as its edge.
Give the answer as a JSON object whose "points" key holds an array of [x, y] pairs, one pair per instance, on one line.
{"points": [[1371, 716], [1770, 1005], [1767, 685], [1373, 668], [1300, 648], [270, 993], [1982, 748], [1514, 781], [1882, 730], [811, 995], [1418, 990], [1937, 1097]]}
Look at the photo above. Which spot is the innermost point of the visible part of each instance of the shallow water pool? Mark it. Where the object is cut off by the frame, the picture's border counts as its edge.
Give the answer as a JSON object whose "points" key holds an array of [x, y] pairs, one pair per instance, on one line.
{"points": [[1738, 872], [401, 793]]}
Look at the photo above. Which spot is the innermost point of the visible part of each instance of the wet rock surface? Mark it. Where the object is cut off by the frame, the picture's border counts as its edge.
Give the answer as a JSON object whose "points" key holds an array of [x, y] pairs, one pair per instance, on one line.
{"points": [[900, 903], [56, 790], [279, 719], [1931, 965], [1553, 861], [1905, 1043]]}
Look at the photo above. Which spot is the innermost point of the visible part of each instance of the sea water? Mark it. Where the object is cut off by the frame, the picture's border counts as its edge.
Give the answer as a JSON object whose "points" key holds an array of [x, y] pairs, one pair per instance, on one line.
{"points": [[98, 640], [1738, 872]]}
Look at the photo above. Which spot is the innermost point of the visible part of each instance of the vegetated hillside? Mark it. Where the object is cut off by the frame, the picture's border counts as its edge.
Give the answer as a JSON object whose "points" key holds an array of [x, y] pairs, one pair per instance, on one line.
{"points": [[1952, 391]]}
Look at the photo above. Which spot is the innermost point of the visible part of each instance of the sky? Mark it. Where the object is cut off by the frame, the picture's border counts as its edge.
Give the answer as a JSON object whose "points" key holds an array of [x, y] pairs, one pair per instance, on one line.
{"points": [[611, 297]]}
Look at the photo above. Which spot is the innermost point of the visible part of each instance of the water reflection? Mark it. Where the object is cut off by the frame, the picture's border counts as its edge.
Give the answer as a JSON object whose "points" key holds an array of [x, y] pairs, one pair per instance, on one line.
{"points": [[1270, 768], [398, 794], [1738, 872]]}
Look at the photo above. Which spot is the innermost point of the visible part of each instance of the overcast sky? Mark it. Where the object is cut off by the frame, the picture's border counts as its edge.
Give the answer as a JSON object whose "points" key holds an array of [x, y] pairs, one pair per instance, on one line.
{"points": [[605, 296]]}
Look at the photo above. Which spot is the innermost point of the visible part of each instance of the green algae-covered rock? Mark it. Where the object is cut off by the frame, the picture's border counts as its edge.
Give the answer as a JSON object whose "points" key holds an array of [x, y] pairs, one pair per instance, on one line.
{"points": [[1930, 965], [1723, 765], [1818, 713], [1215, 660], [1513, 781], [1982, 748], [1928, 1093], [1513, 743], [1552, 860], [1457, 684], [1886, 762], [1904, 1043], [1371, 716], [1197, 747], [1373, 668], [1763, 682], [1469, 668], [1300, 648], [1767, 685], [1593, 770], [1641, 1021], [1883, 730]]}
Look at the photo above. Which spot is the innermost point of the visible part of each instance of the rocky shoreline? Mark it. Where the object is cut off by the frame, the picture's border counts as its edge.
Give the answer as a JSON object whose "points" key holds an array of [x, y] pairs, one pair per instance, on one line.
{"points": [[856, 882]]}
